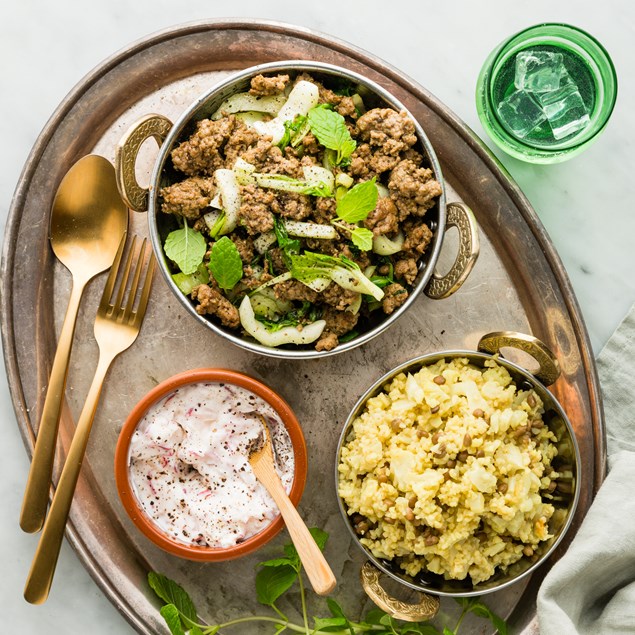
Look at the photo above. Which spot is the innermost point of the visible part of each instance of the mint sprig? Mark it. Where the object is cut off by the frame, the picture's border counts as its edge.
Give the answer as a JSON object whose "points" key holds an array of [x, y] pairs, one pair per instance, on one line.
{"points": [[329, 128], [277, 576], [225, 263], [358, 202], [186, 247]]}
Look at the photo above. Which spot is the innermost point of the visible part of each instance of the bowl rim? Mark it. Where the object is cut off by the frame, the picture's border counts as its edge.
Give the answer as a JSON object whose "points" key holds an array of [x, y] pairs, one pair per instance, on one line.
{"points": [[426, 360], [126, 492], [175, 131]]}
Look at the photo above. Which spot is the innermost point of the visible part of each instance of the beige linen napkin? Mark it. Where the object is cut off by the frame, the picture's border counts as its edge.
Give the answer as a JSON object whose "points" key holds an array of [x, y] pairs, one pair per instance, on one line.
{"points": [[591, 589]]}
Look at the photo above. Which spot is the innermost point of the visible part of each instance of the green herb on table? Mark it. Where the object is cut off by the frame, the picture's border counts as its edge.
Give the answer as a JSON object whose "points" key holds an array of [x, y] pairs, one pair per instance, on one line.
{"points": [[329, 128], [225, 263], [186, 247], [277, 576]]}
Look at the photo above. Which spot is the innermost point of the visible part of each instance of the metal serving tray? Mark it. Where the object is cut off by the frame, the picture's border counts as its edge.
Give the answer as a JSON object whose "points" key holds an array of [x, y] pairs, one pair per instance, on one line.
{"points": [[518, 283]]}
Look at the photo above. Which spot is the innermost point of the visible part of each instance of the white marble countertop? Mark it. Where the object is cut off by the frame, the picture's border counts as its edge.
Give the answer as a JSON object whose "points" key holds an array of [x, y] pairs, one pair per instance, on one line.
{"points": [[585, 204]]}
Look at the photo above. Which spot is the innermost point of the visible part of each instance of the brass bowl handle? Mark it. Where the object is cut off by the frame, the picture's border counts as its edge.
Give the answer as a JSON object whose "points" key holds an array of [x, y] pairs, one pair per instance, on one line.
{"points": [[549, 369], [461, 217], [157, 126], [425, 609]]}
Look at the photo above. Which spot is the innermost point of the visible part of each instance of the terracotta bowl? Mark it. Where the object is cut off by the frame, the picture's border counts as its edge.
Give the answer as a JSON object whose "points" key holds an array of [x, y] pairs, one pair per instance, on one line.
{"points": [[126, 492]]}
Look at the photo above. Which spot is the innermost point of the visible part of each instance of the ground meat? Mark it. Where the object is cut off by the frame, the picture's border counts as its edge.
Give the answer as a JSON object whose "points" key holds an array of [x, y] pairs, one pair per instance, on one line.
{"points": [[279, 162], [310, 144], [258, 155], [325, 210], [275, 256], [327, 342], [294, 206], [203, 152], [187, 198], [211, 302], [255, 212], [380, 125], [253, 278], [337, 297], [412, 189], [294, 290], [394, 296], [339, 322], [241, 138], [388, 133], [406, 270], [245, 247], [346, 108], [360, 162], [262, 86], [383, 219], [418, 237]]}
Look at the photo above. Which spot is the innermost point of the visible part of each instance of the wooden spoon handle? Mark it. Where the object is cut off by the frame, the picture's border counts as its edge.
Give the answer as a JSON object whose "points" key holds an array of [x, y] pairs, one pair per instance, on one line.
{"points": [[317, 568], [36, 495]]}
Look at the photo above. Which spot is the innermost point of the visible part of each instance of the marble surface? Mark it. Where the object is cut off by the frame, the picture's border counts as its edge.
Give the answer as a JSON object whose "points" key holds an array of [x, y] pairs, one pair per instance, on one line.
{"points": [[585, 204]]}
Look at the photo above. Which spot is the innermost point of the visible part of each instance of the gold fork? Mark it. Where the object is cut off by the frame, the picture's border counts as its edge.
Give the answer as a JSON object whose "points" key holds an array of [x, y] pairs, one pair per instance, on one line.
{"points": [[116, 327]]}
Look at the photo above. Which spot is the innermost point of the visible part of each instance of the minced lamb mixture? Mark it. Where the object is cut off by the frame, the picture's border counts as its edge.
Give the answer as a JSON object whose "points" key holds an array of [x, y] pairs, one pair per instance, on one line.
{"points": [[385, 149]]}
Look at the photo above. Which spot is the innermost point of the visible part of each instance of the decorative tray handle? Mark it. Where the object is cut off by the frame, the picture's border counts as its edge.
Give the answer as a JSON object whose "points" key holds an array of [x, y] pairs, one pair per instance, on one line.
{"points": [[461, 217], [549, 369], [425, 609], [157, 126]]}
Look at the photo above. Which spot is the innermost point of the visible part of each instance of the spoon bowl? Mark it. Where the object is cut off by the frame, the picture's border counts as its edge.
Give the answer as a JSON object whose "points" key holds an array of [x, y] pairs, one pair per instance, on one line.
{"points": [[88, 220]]}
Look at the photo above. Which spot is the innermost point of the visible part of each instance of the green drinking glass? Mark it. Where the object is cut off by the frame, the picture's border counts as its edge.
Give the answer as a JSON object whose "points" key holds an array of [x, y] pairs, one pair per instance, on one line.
{"points": [[546, 93]]}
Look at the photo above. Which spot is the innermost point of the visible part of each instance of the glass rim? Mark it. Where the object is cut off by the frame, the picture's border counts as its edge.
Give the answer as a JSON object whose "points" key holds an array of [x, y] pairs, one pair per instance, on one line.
{"points": [[602, 122]]}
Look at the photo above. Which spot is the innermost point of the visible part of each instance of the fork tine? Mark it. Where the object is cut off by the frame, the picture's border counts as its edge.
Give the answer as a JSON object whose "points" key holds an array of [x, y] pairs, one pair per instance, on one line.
{"points": [[145, 292], [117, 304], [134, 286], [112, 276]]}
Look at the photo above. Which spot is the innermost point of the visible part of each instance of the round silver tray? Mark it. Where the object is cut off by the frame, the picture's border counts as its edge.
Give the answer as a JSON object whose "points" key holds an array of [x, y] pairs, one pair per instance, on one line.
{"points": [[518, 284]]}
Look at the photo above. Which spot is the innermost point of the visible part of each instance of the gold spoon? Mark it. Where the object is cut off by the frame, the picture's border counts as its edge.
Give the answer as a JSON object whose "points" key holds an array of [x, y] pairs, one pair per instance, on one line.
{"points": [[313, 560], [88, 220]]}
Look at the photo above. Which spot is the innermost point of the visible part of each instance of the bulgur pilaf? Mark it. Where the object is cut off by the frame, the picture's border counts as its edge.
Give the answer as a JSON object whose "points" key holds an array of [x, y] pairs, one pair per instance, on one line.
{"points": [[449, 470]]}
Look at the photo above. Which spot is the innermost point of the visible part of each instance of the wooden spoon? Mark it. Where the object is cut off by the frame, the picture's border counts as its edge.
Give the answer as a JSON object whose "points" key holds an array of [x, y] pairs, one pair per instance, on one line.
{"points": [[88, 220], [262, 463]]}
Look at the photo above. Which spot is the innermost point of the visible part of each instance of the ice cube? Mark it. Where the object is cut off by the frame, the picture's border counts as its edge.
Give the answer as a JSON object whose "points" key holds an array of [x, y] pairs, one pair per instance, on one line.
{"points": [[538, 71], [520, 113], [564, 108]]}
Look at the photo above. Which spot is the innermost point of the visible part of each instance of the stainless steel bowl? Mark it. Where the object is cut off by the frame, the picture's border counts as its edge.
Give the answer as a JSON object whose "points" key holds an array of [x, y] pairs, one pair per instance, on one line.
{"points": [[567, 492], [169, 135]]}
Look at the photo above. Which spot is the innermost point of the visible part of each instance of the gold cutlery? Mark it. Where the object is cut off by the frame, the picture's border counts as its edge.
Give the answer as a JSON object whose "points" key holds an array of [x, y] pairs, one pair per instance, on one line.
{"points": [[116, 327], [262, 463], [88, 220]]}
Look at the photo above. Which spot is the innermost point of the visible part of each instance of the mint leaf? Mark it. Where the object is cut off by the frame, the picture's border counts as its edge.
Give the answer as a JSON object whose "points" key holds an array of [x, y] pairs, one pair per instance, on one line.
{"points": [[320, 536], [172, 618], [276, 562], [329, 128], [358, 202], [186, 247], [362, 238], [272, 582], [171, 593], [328, 623], [225, 263]]}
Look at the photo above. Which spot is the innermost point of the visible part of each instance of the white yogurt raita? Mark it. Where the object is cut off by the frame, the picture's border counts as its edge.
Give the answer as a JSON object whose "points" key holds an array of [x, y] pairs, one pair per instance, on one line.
{"points": [[189, 465]]}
